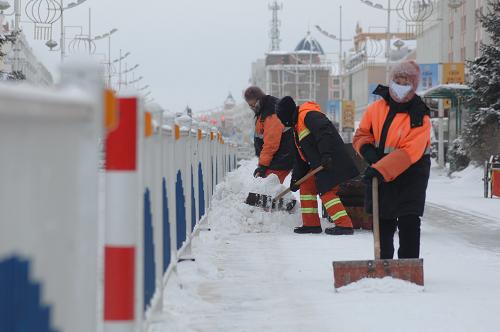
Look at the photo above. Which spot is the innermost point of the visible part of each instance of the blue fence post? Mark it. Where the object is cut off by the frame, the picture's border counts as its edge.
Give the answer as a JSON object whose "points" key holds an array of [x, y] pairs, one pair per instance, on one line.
{"points": [[180, 211], [216, 170], [201, 191], [166, 229], [149, 252], [193, 202]]}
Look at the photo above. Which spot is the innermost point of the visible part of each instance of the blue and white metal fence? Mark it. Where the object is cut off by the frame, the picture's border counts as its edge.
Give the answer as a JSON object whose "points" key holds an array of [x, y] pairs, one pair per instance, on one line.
{"points": [[68, 230]]}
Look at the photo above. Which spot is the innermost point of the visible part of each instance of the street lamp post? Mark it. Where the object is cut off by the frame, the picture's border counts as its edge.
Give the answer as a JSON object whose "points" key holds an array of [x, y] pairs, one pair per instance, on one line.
{"points": [[127, 71], [388, 9], [140, 78], [63, 35], [51, 44], [341, 41], [108, 35], [119, 60]]}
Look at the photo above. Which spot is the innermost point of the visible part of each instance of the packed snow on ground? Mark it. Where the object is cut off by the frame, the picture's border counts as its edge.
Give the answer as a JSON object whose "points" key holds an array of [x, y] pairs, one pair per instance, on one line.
{"points": [[252, 273], [463, 191]]}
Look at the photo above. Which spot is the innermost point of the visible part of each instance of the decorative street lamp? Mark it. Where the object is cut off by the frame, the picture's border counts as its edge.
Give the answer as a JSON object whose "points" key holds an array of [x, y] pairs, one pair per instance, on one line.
{"points": [[414, 13], [388, 9], [43, 13], [82, 44], [51, 44]]}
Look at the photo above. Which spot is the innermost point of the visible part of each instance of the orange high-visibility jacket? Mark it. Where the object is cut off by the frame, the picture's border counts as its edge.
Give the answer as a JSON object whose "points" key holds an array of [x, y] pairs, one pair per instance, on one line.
{"points": [[270, 130], [404, 145]]}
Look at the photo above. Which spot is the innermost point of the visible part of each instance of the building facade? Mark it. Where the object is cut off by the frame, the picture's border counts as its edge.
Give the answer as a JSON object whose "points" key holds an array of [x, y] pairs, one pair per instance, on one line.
{"points": [[453, 34]]}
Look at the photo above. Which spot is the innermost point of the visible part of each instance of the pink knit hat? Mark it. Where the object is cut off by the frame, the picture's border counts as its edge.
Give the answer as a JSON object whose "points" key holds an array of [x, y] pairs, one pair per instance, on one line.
{"points": [[411, 71]]}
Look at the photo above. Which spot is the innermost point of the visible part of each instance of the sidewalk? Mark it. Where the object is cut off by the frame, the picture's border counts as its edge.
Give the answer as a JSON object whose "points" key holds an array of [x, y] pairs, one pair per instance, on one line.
{"points": [[252, 273], [462, 192]]}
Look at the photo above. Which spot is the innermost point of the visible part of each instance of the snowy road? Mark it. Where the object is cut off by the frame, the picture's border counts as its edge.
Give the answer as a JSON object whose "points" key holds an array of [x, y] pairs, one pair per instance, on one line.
{"points": [[478, 231], [252, 273]]}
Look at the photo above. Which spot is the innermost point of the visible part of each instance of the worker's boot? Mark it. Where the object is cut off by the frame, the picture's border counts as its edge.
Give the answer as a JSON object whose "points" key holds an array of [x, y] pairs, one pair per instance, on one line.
{"points": [[308, 230], [339, 230]]}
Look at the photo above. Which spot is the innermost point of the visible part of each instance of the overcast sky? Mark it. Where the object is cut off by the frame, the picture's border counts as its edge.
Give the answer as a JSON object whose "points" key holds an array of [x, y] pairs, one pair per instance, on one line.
{"points": [[196, 51]]}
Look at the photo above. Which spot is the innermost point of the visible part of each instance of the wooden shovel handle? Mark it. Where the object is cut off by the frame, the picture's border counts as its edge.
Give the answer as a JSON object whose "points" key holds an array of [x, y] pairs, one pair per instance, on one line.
{"points": [[298, 183], [376, 226]]}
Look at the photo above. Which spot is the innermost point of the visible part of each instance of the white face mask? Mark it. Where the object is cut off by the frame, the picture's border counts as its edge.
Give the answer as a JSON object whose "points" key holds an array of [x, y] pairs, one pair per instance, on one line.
{"points": [[401, 91]]}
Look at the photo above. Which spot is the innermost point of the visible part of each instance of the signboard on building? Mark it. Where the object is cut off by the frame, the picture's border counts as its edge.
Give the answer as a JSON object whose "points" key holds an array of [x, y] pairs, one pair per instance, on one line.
{"points": [[333, 111], [454, 73], [371, 97], [348, 114], [428, 76]]}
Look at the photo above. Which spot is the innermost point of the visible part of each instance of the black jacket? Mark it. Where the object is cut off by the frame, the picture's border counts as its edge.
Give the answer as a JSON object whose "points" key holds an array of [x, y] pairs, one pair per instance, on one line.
{"points": [[283, 158], [323, 140]]}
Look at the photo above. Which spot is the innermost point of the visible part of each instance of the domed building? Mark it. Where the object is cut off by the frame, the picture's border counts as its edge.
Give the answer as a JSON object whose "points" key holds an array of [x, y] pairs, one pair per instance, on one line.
{"points": [[308, 44], [304, 73]]}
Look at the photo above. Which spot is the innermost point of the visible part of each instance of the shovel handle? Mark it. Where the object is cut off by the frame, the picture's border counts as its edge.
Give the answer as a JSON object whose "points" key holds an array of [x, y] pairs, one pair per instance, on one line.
{"points": [[298, 183], [376, 226]]}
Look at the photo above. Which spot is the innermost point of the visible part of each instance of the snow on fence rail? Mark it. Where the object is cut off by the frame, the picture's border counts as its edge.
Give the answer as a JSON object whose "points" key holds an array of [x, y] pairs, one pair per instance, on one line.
{"points": [[58, 272]]}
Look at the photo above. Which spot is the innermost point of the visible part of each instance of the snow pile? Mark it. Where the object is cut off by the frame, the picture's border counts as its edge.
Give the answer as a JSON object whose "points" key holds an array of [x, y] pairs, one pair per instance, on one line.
{"points": [[384, 285], [463, 191], [233, 215]]}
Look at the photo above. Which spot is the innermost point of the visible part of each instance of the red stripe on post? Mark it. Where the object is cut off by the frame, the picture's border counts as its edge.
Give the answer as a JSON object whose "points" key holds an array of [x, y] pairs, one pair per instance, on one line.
{"points": [[119, 279], [121, 143]]}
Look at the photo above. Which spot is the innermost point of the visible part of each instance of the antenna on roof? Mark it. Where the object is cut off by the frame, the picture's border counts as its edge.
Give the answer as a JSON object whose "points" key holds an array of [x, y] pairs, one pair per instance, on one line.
{"points": [[274, 33]]}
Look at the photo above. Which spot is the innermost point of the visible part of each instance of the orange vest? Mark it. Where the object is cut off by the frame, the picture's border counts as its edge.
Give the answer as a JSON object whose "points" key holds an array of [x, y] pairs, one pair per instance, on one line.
{"points": [[301, 130]]}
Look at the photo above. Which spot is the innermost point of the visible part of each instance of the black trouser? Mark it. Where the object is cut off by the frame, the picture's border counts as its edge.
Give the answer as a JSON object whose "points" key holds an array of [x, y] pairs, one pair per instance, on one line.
{"points": [[409, 237]]}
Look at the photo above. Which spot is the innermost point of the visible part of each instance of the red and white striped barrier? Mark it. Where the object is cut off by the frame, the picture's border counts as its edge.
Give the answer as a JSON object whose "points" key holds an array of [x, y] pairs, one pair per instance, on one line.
{"points": [[122, 220]]}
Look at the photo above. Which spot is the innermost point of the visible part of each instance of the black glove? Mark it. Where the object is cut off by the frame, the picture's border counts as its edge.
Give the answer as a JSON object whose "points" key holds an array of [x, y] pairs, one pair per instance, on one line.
{"points": [[293, 186], [260, 172], [370, 173], [369, 153], [327, 162]]}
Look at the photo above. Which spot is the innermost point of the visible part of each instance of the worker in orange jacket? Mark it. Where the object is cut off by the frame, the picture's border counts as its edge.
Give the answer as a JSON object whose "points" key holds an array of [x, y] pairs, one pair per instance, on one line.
{"points": [[394, 138], [317, 143], [272, 140]]}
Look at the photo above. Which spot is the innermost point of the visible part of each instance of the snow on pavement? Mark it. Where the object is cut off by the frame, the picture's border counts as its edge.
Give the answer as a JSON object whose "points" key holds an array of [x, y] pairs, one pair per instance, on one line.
{"points": [[252, 273], [463, 191]]}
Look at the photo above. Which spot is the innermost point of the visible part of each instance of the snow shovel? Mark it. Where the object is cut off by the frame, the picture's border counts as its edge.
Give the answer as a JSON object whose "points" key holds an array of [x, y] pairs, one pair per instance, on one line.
{"points": [[278, 203], [346, 272]]}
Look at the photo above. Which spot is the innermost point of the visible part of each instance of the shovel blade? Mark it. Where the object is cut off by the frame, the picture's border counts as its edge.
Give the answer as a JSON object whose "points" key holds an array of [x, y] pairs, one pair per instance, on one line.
{"points": [[266, 202], [347, 272]]}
